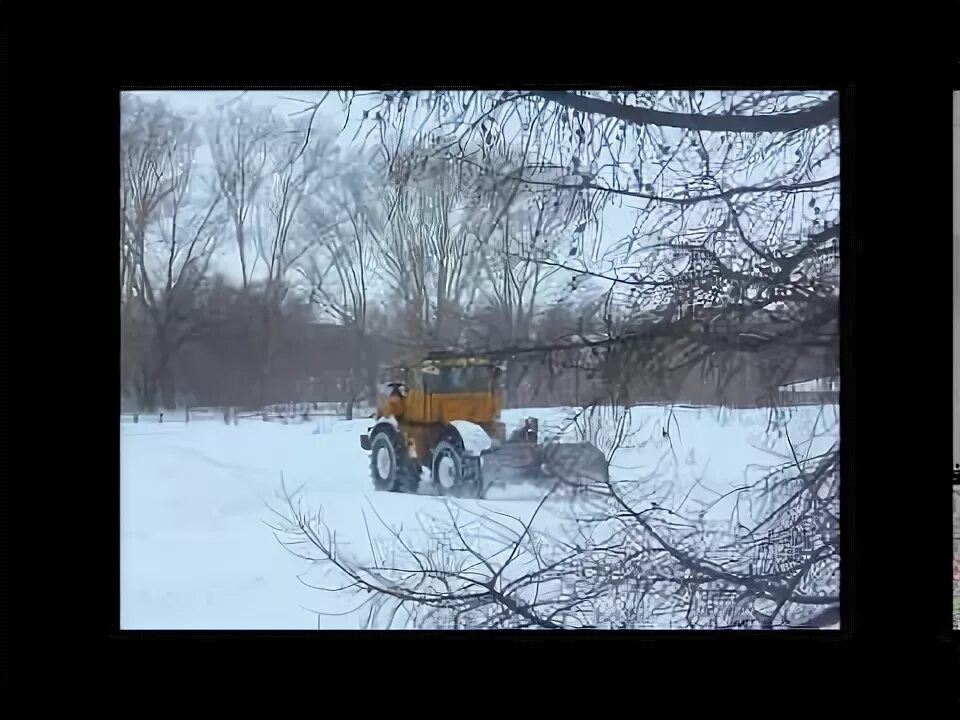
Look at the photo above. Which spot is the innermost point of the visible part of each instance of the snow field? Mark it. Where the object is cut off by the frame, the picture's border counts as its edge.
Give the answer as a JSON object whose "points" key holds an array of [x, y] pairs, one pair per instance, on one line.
{"points": [[197, 551]]}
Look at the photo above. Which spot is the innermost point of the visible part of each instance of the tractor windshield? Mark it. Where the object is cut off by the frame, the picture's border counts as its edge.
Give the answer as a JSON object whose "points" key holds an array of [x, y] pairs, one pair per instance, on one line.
{"points": [[461, 380]]}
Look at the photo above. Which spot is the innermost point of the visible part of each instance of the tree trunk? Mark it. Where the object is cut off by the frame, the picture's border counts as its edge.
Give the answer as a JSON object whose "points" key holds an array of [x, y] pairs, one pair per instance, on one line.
{"points": [[373, 387], [146, 390], [365, 375], [168, 388], [267, 347]]}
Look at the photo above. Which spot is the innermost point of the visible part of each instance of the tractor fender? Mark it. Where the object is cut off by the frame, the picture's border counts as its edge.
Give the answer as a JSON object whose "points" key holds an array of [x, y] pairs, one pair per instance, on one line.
{"points": [[381, 425], [475, 439], [389, 420]]}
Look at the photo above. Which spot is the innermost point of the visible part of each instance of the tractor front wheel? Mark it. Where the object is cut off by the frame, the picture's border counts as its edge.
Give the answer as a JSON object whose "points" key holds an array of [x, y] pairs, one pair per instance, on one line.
{"points": [[388, 471]]}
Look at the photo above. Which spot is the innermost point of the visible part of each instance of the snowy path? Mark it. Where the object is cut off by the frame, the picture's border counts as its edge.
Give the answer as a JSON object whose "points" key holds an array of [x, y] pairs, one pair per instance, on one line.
{"points": [[196, 552], [195, 548]]}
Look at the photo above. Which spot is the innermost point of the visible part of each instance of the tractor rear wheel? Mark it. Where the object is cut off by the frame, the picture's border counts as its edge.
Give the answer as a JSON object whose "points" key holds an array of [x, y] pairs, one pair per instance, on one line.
{"points": [[388, 466]]}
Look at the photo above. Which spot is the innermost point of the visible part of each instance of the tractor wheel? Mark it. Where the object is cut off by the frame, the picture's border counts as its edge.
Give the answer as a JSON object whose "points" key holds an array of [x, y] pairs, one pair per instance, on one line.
{"points": [[455, 473], [387, 470]]}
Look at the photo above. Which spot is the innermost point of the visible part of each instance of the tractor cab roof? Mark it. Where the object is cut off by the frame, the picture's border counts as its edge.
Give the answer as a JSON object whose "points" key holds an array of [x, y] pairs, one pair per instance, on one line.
{"points": [[436, 360], [442, 358]]}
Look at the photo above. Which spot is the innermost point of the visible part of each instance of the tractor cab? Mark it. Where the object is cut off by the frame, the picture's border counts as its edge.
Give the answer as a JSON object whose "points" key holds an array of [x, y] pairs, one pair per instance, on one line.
{"points": [[448, 375], [442, 388]]}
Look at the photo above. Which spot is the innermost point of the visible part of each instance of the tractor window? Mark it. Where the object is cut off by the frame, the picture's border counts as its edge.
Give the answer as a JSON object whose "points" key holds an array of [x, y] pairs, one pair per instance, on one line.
{"points": [[460, 380], [467, 379]]}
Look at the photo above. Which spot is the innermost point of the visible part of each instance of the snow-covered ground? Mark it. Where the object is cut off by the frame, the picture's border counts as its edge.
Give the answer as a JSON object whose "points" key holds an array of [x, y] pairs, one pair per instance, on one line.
{"points": [[197, 552]]}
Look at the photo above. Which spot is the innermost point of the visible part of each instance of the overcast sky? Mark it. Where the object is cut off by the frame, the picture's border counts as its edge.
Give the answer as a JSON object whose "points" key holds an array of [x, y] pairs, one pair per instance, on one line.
{"points": [[616, 222]]}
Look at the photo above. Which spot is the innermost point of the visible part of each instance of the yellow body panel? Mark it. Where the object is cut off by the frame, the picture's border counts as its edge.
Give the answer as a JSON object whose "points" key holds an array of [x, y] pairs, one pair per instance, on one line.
{"points": [[421, 437], [427, 408]]}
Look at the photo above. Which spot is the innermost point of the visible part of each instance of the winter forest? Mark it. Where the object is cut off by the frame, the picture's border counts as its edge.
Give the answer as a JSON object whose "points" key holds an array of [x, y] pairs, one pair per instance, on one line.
{"points": [[654, 273]]}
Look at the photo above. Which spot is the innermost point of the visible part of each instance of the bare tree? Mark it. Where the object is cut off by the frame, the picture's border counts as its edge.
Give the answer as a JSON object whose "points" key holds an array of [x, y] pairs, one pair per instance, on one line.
{"points": [[284, 235], [523, 227], [429, 248], [171, 230], [239, 138], [343, 268], [144, 182]]}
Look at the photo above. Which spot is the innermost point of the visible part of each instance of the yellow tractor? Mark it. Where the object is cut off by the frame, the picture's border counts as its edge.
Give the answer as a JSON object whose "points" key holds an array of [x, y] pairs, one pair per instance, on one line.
{"points": [[444, 417]]}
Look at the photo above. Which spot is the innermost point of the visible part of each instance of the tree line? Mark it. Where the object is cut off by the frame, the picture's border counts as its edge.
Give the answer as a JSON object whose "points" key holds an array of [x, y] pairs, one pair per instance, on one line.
{"points": [[243, 228]]}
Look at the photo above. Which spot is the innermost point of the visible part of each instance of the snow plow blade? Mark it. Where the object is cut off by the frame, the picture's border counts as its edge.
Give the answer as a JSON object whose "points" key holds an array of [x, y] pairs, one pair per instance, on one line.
{"points": [[575, 465]]}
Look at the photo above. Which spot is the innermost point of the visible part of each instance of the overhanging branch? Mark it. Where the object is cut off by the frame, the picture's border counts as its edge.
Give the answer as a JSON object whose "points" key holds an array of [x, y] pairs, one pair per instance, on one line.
{"points": [[816, 116]]}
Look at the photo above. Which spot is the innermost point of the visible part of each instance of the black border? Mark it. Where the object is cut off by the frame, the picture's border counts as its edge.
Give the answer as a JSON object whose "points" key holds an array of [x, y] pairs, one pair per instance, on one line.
{"points": [[880, 483]]}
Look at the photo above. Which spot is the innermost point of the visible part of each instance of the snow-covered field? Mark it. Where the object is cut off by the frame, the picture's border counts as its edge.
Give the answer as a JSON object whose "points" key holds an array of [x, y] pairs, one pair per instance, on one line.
{"points": [[197, 552]]}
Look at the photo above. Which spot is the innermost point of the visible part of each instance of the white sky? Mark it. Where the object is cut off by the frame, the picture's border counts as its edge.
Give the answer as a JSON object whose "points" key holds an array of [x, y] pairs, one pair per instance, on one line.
{"points": [[616, 221]]}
